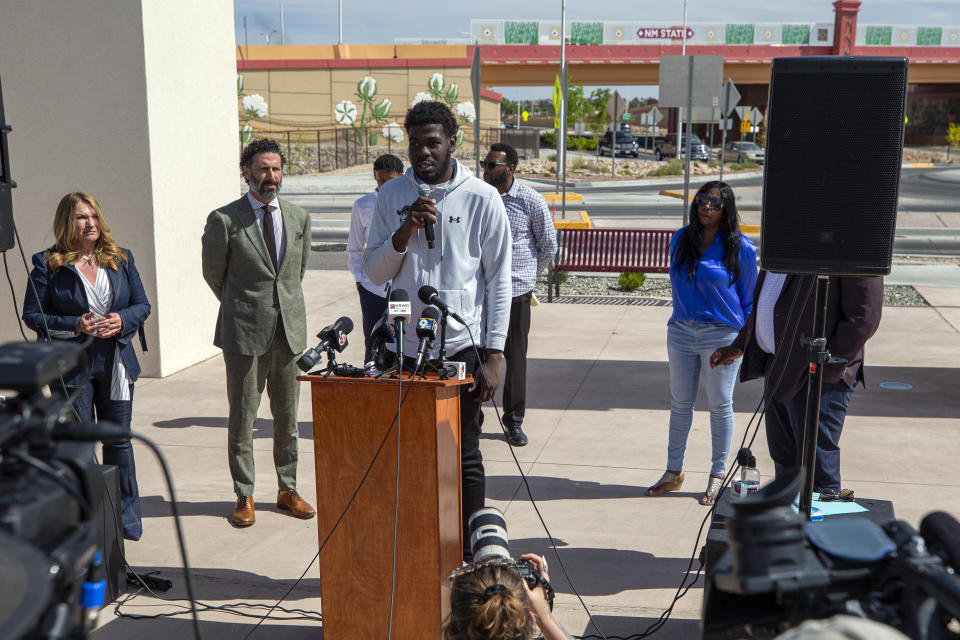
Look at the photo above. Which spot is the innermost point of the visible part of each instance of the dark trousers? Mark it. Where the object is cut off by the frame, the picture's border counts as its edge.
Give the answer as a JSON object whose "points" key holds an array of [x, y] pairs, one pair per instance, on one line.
{"points": [[372, 307], [785, 421], [473, 478], [515, 355], [93, 403]]}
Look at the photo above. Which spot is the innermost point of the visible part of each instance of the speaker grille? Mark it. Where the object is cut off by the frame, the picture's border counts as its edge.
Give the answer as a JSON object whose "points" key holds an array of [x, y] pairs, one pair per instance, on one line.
{"points": [[832, 176]]}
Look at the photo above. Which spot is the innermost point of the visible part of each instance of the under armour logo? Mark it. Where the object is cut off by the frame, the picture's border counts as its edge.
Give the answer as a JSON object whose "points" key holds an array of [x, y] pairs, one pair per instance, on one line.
{"points": [[452, 219]]}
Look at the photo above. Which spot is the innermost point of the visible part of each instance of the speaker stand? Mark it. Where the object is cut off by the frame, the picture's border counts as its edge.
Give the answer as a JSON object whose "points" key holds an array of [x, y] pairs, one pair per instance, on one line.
{"points": [[819, 356]]}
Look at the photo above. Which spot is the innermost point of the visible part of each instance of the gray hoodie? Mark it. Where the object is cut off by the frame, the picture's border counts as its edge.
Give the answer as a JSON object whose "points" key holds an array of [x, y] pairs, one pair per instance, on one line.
{"points": [[469, 264]]}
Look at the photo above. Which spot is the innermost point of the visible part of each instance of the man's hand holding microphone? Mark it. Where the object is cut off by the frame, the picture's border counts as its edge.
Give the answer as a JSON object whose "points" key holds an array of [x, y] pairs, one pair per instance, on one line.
{"points": [[422, 215]]}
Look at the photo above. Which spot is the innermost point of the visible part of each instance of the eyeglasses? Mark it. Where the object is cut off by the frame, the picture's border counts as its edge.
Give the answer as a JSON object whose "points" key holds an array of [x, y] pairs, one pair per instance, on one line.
{"points": [[711, 202], [490, 166], [832, 495]]}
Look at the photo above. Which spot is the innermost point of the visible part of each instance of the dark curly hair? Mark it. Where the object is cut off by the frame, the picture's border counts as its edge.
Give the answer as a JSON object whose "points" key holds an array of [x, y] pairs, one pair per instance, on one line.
{"points": [[388, 162], [431, 112], [261, 145], [507, 150], [687, 252], [488, 603]]}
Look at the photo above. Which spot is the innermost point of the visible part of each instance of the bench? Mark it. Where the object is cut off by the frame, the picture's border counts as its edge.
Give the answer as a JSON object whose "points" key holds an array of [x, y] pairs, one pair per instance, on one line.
{"points": [[612, 250]]}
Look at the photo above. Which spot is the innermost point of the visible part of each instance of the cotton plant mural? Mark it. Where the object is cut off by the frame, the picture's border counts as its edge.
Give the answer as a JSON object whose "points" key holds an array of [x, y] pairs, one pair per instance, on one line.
{"points": [[369, 111], [449, 94], [253, 106]]}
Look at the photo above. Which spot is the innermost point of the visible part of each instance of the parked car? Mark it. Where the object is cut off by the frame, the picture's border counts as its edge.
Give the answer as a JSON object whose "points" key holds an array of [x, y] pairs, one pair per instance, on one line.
{"points": [[626, 145], [743, 151], [667, 148]]}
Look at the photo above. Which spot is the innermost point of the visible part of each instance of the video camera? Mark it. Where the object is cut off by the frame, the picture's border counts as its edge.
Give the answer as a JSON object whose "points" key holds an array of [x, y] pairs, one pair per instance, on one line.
{"points": [[780, 571], [49, 553], [488, 542]]}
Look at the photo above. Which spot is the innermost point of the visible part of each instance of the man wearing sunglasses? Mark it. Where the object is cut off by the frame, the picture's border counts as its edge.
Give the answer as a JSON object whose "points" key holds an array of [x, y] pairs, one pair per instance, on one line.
{"points": [[534, 243], [783, 311]]}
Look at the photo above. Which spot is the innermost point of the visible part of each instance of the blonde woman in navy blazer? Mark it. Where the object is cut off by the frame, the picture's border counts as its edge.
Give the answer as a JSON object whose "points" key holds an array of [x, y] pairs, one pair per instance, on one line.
{"points": [[85, 285]]}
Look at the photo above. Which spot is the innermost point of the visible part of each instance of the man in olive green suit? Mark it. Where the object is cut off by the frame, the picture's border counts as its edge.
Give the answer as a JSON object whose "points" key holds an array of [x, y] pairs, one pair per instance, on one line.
{"points": [[255, 253]]}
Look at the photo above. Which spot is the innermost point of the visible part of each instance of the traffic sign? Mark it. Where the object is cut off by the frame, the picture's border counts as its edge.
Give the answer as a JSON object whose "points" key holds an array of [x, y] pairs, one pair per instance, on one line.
{"points": [[743, 111], [754, 116], [655, 116], [745, 126], [525, 115], [616, 104], [730, 97], [626, 116]]}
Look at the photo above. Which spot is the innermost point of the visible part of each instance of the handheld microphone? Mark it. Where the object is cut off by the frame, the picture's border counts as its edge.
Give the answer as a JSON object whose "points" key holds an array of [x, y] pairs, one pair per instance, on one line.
{"points": [[333, 337], [427, 332], [424, 190], [429, 295], [398, 311]]}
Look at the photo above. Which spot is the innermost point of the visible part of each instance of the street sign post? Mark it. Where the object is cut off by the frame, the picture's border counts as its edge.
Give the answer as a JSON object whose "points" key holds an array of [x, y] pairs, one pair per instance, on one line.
{"points": [[730, 98]]}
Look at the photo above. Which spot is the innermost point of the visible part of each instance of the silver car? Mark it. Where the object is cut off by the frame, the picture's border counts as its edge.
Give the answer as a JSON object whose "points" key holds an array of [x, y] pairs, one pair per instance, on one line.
{"points": [[743, 151]]}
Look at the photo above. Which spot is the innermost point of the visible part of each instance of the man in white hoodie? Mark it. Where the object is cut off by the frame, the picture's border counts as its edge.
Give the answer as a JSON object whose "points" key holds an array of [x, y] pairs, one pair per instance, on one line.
{"points": [[469, 266]]}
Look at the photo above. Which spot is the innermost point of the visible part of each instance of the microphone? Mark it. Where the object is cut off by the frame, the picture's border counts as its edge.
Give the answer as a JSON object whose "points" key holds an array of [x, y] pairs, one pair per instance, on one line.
{"points": [[398, 311], [424, 190], [429, 295], [380, 335], [332, 336], [427, 332]]}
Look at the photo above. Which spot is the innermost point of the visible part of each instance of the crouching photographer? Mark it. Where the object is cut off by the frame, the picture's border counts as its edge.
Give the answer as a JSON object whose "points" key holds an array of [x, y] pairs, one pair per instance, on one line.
{"points": [[496, 597]]}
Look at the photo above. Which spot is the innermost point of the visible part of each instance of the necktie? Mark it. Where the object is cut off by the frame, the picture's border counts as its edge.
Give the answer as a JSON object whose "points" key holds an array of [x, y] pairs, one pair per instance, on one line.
{"points": [[269, 237]]}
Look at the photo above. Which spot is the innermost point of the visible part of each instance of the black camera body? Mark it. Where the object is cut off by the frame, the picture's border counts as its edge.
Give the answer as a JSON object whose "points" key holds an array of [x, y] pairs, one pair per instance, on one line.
{"points": [[531, 576], [780, 571], [47, 535]]}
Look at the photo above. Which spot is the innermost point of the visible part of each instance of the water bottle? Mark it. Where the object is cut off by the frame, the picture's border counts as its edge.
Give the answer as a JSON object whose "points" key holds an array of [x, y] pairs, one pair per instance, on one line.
{"points": [[749, 480]]}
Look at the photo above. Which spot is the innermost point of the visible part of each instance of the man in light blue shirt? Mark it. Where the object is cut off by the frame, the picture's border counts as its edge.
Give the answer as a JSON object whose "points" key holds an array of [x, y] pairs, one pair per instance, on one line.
{"points": [[373, 297]]}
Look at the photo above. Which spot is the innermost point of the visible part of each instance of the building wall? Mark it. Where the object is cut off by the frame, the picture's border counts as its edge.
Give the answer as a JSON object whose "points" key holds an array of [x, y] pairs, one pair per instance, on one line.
{"points": [[98, 93]]}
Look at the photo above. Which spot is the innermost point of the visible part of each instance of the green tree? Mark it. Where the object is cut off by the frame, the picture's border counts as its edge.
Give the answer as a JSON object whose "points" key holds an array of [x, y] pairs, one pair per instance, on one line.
{"points": [[579, 108], [599, 98], [953, 137]]}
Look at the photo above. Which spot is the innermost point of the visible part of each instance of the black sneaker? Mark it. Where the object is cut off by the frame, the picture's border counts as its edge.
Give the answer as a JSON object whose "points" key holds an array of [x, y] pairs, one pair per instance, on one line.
{"points": [[515, 435]]}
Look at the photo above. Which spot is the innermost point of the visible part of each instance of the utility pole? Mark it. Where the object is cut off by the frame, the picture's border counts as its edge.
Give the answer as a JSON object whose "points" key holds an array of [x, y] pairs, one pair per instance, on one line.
{"points": [[282, 39]]}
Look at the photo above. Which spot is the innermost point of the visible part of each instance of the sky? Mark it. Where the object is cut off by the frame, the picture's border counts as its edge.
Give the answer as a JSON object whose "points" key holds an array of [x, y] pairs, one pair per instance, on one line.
{"points": [[379, 22]]}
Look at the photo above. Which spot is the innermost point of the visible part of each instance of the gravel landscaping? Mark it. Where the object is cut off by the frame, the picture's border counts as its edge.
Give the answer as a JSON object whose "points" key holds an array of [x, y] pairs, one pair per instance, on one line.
{"points": [[592, 286]]}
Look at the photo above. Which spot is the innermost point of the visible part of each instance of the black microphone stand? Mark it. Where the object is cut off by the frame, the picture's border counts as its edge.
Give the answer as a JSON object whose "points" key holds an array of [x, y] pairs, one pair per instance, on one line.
{"points": [[442, 355], [819, 356]]}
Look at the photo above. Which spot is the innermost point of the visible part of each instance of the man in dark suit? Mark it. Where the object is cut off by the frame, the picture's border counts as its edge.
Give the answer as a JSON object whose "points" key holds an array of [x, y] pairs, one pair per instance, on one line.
{"points": [[255, 253], [769, 342]]}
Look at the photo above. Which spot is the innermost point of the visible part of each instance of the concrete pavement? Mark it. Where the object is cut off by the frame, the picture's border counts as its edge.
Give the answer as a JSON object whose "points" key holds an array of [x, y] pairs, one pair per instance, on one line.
{"points": [[597, 423]]}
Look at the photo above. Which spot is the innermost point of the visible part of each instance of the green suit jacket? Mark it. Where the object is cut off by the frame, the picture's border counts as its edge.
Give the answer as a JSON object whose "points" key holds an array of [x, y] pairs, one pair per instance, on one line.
{"points": [[252, 294]]}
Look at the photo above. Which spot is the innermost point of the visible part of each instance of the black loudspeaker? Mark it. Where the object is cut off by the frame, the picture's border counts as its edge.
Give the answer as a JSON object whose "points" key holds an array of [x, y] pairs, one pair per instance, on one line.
{"points": [[832, 175], [110, 531], [6, 203]]}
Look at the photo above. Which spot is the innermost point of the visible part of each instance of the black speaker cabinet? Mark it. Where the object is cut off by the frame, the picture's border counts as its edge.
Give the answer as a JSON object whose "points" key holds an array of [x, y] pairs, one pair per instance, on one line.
{"points": [[832, 175], [110, 530]]}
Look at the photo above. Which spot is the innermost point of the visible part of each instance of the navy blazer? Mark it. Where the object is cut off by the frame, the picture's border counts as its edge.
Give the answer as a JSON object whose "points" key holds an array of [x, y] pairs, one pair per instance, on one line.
{"points": [[64, 299]]}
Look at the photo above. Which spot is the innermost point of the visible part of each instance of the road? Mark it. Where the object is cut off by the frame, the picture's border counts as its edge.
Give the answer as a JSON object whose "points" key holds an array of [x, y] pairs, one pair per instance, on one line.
{"points": [[928, 207]]}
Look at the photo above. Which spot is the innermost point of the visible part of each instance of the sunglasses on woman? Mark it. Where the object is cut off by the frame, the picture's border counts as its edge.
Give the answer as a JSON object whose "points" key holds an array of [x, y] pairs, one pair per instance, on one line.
{"points": [[711, 202]]}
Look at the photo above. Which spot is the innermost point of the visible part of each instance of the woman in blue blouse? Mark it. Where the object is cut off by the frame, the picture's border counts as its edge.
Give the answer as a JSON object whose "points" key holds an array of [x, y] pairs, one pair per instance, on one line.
{"points": [[713, 270], [86, 286]]}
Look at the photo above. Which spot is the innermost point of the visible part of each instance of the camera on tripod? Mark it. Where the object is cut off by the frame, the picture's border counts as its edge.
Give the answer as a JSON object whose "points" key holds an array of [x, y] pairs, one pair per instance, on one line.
{"points": [[780, 571]]}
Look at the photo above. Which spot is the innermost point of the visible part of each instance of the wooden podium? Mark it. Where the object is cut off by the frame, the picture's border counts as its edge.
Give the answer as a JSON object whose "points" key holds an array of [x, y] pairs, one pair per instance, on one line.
{"points": [[350, 418]]}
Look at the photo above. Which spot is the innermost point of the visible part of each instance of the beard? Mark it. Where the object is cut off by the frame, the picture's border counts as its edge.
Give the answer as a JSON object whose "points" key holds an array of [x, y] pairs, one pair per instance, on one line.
{"points": [[497, 181], [440, 169], [260, 188]]}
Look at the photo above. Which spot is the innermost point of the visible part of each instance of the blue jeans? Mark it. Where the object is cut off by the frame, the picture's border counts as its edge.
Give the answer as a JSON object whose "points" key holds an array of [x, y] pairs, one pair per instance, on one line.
{"points": [[93, 403], [689, 345]]}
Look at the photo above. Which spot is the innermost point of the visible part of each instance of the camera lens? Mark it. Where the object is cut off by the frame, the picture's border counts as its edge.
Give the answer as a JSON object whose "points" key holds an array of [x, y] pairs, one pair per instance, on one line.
{"points": [[488, 534]]}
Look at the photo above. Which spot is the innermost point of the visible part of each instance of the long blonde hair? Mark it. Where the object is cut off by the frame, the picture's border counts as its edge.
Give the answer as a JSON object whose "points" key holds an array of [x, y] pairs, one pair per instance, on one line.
{"points": [[65, 249], [488, 604]]}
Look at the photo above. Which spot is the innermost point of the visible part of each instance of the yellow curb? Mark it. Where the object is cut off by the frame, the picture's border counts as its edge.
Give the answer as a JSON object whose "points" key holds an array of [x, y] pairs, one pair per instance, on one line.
{"points": [[750, 229], [583, 223], [675, 194], [553, 196], [921, 165]]}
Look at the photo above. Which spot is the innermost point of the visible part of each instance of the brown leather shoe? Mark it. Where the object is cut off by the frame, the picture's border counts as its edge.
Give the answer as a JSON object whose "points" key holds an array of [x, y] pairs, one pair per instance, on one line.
{"points": [[243, 512], [291, 501]]}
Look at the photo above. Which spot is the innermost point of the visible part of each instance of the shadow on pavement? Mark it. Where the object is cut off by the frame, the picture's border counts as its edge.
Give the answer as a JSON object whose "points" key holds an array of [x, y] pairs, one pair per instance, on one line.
{"points": [[602, 572], [622, 626], [262, 427]]}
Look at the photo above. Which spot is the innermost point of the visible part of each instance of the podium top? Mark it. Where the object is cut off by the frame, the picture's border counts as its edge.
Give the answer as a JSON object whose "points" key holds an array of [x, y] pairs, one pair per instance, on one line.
{"points": [[430, 381]]}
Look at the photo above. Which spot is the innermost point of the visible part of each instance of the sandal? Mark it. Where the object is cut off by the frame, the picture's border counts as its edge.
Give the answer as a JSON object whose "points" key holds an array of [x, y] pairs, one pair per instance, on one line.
{"points": [[669, 481], [713, 489]]}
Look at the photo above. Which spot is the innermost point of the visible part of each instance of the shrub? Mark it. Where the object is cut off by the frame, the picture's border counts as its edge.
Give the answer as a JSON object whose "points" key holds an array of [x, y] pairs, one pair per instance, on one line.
{"points": [[631, 281], [673, 167], [551, 157], [549, 139]]}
